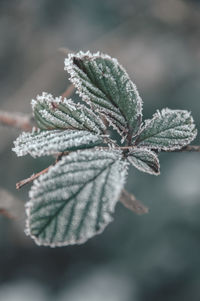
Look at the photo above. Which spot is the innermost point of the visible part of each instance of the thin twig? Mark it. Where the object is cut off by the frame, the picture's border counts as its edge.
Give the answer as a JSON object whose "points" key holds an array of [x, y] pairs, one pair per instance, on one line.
{"points": [[35, 176], [130, 202], [188, 148], [16, 120], [65, 50], [31, 178], [69, 91], [24, 121], [5, 213], [127, 199]]}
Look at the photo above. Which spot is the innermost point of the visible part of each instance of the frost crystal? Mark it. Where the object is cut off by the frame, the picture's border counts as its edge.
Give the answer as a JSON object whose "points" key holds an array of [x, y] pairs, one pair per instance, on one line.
{"points": [[144, 160], [168, 130], [41, 143], [103, 83], [75, 200], [61, 113]]}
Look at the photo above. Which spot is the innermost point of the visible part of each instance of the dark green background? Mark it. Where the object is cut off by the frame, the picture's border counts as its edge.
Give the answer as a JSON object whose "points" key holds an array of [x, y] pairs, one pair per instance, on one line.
{"points": [[137, 258]]}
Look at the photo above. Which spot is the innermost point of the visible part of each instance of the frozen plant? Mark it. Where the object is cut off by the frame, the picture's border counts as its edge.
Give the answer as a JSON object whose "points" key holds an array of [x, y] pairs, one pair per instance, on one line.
{"points": [[75, 198]]}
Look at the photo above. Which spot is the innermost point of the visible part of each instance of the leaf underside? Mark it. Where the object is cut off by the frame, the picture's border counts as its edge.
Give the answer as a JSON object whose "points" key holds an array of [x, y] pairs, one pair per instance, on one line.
{"points": [[42, 143], [76, 198], [168, 130], [61, 113], [103, 83], [144, 160]]}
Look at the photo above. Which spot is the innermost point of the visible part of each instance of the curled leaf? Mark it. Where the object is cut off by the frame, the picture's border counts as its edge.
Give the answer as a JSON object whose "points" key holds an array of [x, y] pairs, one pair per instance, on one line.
{"points": [[144, 160]]}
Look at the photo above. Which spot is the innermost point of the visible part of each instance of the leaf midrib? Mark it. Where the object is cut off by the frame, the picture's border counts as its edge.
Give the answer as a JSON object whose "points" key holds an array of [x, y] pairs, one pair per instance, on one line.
{"points": [[70, 198], [157, 133]]}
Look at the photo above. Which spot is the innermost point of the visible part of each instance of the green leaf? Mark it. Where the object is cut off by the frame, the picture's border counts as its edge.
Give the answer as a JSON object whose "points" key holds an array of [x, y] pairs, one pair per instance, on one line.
{"points": [[75, 200], [168, 130], [103, 83], [41, 143], [144, 160], [58, 113]]}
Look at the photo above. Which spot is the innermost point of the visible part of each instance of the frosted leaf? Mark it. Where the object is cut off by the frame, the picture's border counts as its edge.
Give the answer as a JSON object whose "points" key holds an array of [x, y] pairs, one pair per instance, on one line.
{"points": [[144, 160], [61, 113], [41, 143], [168, 130], [75, 200], [103, 83]]}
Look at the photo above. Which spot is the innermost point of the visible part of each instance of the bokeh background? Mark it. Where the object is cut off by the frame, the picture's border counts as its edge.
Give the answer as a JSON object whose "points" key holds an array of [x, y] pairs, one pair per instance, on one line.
{"points": [[137, 258]]}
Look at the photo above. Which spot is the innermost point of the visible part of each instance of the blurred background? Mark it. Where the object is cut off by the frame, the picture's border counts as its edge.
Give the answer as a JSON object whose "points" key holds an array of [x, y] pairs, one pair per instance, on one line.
{"points": [[137, 258]]}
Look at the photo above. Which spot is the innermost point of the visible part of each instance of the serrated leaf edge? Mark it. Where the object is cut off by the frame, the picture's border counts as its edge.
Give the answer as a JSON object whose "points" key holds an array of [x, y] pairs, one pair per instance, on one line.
{"points": [[73, 78], [30, 204], [48, 99], [162, 113], [25, 149]]}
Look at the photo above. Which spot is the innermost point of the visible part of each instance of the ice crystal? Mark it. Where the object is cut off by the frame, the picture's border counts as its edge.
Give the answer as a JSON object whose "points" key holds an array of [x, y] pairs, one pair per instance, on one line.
{"points": [[76, 198]]}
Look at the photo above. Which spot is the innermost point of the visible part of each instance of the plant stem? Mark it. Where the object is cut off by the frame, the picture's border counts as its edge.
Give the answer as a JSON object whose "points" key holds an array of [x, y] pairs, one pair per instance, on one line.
{"points": [[69, 91], [23, 121], [35, 176], [5, 213], [130, 202], [31, 178], [16, 120], [188, 148], [127, 199]]}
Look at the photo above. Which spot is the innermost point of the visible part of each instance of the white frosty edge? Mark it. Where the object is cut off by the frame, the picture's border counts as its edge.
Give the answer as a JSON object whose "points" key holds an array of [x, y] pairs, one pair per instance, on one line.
{"points": [[69, 67], [48, 99], [30, 204], [144, 149], [162, 114], [17, 141], [27, 144]]}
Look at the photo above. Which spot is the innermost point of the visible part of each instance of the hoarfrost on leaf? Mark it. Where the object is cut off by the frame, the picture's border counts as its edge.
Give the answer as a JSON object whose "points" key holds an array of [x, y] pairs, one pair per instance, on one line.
{"points": [[75, 200], [103, 83], [61, 113], [168, 130], [41, 143], [144, 160]]}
